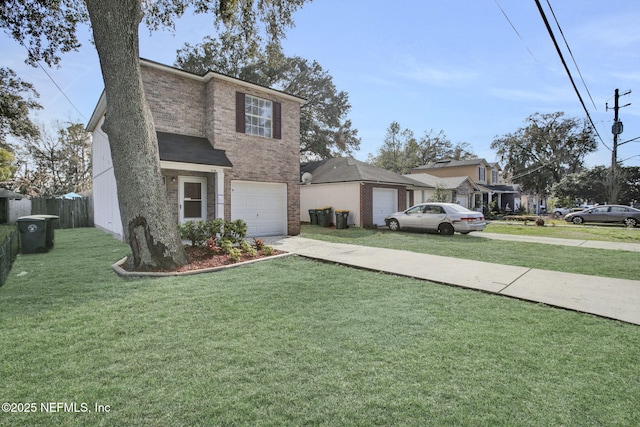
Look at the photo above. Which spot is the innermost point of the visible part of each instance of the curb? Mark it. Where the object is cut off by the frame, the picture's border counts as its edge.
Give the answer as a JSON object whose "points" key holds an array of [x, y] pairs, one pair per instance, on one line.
{"points": [[117, 268]]}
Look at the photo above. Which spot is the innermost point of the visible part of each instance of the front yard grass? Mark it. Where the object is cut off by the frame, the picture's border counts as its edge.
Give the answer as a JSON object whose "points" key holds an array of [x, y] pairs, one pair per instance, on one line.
{"points": [[595, 262], [560, 229], [296, 342]]}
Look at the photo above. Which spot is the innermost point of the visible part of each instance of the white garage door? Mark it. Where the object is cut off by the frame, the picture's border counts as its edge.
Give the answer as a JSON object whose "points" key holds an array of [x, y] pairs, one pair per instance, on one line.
{"points": [[385, 202], [262, 205]]}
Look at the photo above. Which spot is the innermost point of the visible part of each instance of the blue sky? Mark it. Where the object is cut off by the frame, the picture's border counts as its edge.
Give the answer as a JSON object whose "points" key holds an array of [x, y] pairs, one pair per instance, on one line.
{"points": [[429, 65]]}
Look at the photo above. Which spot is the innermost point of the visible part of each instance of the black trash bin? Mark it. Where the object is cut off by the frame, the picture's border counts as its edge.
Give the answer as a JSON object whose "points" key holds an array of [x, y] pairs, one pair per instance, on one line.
{"points": [[324, 216], [50, 228], [342, 218], [314, 216], [33, 235]]}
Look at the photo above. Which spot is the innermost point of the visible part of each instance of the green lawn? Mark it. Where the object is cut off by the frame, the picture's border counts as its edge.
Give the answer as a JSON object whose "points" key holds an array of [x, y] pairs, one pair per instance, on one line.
{"points": [[562, 230], [296, 342], [595, 262]]}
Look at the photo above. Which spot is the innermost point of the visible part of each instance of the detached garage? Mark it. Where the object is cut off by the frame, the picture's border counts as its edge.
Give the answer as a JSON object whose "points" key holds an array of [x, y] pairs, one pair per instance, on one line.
{"points": [[262, 205], [368, 192]]}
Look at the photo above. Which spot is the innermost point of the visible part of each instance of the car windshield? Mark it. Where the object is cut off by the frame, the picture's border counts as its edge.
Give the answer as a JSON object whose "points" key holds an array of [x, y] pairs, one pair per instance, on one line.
{"points": [[458, 208]]}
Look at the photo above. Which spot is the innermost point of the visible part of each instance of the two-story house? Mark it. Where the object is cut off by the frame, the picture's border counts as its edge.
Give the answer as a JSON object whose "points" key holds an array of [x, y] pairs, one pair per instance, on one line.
{"points": [[228, 149], [489, 184]]}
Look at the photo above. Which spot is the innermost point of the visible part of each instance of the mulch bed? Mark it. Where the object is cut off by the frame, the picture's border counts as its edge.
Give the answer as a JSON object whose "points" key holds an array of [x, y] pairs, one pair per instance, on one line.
{"points": [[201, 258]]}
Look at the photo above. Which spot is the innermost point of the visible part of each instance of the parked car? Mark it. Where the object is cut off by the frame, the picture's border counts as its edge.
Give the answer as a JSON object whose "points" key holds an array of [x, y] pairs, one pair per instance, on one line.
{"points": [[560, 212], [606, 213], [445, 218]]}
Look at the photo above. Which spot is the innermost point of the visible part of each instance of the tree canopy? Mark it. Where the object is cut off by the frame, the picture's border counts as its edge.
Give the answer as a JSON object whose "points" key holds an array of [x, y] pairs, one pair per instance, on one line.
{"points": [[17, 99], [593, 185], [401, 151], [324, 130], [547, 148]]}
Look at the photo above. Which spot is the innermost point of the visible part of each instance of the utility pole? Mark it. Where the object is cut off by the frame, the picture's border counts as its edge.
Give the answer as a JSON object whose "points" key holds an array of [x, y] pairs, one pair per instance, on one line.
{"points": [[616, 129]]}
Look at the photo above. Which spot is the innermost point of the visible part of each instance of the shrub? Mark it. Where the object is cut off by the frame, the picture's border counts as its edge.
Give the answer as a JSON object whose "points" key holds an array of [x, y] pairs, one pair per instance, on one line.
{"points": [[267, 251], [235, 254], [194, 231], [236, 231], [198, 232], [539, 222], [226, 246], [248, 249]]}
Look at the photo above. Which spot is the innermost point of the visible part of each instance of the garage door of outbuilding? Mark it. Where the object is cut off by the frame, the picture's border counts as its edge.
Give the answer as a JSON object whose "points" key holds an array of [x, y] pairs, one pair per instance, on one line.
{"points": [[262, 205], [385, 202]]}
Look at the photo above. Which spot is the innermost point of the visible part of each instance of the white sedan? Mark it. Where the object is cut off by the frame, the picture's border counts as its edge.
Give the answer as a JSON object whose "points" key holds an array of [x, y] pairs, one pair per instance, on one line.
{"points": [[445, 218]]}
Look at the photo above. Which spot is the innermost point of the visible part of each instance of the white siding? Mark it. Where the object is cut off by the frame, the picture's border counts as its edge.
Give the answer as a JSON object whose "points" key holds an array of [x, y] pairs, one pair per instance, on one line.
{"points": [[18, 208], [106, 210], [341, 196]]}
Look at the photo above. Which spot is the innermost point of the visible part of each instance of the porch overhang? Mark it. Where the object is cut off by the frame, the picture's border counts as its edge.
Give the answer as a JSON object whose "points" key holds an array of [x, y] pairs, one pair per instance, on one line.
{"points": [[190, 153]]}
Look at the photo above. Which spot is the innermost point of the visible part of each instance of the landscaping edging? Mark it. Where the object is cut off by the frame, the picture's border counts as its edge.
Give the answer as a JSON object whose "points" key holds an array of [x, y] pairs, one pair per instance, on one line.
{"points": [[117, 267]]}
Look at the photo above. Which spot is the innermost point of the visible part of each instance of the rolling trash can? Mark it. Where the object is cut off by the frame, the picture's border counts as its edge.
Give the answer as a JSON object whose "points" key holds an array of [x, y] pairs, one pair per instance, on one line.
{"points": [[313, 216], [342, 219], [324, 216], [33, 235], [50, 227]]}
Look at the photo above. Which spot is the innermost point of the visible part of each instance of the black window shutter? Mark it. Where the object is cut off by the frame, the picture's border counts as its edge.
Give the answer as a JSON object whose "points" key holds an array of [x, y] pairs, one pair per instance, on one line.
{"points": [[240, 112], [277, 120]]}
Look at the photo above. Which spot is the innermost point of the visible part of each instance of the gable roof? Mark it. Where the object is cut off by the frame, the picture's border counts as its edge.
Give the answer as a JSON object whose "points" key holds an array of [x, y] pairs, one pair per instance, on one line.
{"points": [[450, 183], [8, 194], [450, 163], [190, 149], [348, 169]]}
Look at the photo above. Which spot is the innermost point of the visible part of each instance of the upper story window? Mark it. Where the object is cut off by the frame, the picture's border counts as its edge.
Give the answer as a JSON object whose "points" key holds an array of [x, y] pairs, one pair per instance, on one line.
{"points": [[258, 116], [494, 177], [482, 174]]}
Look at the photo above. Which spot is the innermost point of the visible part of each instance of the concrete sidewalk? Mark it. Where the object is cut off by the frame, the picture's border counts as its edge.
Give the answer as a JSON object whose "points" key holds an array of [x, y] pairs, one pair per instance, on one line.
{"points": [[594, 244], [612, 298]]}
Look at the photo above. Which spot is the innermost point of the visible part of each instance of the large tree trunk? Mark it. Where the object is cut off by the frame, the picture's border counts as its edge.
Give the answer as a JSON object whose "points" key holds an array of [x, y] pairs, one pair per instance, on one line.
{"points": [[148, 226]]}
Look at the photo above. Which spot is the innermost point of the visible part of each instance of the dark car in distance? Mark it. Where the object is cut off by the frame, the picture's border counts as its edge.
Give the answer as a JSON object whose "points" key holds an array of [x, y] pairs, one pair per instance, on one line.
{"points": [[606, 213]]}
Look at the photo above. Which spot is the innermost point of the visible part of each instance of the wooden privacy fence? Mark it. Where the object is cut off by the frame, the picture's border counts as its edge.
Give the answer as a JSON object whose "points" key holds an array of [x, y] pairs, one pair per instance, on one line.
{"points": [[73, 213]]}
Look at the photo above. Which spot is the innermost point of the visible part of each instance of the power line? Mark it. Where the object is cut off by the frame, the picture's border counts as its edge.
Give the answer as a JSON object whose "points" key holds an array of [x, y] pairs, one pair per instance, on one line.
{"points": [[514, 29], [564, 63], [51, 78], [571, 53]]}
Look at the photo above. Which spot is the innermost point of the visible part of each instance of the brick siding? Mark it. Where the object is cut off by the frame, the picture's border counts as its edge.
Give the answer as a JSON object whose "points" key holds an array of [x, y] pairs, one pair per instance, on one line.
{"points": [[183, 105]]}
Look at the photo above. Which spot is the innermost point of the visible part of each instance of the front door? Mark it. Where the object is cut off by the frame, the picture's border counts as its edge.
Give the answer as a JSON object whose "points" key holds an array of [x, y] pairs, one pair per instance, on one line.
{"points": [[192, 198]]}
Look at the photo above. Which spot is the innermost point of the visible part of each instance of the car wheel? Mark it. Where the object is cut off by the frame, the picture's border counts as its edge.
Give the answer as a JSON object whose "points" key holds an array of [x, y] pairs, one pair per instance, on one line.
{"points": [[631, 222], [446, 229], [577, 220], [557, 215], [394, 225]]}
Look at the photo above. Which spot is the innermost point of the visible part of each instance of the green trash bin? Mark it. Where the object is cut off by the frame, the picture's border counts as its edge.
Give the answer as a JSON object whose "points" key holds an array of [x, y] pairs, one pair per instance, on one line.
{"points": [[33, 235], [324, 216], [342, 219], [314, 216], [50, 228]]}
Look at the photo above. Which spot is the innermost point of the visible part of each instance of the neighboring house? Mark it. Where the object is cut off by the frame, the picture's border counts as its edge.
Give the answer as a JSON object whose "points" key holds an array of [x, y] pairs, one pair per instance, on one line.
{"points": [[485, 175], [368, 192], [13, 206], [458, 189], [228, 149]]}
